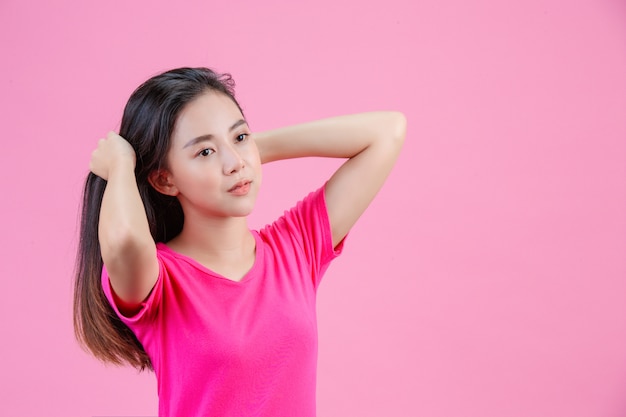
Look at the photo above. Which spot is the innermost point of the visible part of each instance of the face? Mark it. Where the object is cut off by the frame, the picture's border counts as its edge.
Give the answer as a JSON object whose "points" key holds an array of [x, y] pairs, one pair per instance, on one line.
{"points": [[214, 167]]}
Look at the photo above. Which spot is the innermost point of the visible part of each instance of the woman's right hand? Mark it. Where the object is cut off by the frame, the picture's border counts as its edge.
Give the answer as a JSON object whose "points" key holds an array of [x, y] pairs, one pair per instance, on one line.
{"points": [[111, 152]]}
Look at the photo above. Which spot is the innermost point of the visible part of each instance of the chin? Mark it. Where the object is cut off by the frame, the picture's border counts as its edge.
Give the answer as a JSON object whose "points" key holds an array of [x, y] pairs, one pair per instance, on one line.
{"points": [[243, 210]]}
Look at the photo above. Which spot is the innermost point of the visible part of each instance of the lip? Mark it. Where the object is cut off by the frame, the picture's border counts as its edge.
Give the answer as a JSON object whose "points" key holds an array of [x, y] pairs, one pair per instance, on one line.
{"points": [[240, 188]]}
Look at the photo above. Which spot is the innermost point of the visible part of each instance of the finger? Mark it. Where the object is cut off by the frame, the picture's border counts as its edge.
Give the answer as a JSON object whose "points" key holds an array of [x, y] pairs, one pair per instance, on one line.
{"points": [[112, 135]]}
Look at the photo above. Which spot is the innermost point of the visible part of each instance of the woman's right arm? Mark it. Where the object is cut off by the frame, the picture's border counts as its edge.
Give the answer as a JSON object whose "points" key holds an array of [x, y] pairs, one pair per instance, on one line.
{"points": [[128, 250]]}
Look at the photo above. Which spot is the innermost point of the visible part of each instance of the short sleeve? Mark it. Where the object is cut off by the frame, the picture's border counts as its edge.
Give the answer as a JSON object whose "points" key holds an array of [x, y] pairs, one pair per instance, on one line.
{"points": [[308, 225], [149, 306]]}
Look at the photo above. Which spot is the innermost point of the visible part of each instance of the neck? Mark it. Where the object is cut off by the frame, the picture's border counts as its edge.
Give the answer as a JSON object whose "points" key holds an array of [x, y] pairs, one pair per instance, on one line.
{"points": [[214, 238]]}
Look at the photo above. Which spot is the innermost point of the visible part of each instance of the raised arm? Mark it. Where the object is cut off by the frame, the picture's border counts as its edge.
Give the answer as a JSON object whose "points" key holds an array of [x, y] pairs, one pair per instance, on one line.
{"points": [[371, 141], [128, 250]]}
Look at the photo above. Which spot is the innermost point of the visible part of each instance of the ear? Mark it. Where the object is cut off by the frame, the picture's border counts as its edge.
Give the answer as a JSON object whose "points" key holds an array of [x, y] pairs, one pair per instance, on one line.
{"points": [[161, 181]]}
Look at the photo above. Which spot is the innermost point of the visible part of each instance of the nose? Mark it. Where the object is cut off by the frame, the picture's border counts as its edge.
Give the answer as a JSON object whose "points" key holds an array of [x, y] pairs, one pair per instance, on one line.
{"points": [[231, 160]]}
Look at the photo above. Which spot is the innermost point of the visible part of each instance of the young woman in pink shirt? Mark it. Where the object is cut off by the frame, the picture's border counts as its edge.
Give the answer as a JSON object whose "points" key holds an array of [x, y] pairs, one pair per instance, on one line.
{"points": [[169, 275]]}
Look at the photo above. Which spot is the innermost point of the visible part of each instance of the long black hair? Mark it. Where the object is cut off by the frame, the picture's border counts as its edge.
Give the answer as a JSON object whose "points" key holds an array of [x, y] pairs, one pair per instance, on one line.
{"points": [[147, 124]]}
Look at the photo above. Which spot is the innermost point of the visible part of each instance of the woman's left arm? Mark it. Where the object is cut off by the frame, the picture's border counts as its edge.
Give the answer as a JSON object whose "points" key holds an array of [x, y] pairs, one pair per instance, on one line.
{"points": [[371, 141]]}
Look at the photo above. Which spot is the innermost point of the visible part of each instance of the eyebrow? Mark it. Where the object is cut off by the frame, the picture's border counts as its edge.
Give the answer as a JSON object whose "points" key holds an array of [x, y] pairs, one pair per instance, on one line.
{"points": [[210, 136]]}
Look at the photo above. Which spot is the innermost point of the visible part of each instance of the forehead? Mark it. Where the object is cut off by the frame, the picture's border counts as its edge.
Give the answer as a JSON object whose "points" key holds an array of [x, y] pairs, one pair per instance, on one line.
{"points": [[211, 113]]}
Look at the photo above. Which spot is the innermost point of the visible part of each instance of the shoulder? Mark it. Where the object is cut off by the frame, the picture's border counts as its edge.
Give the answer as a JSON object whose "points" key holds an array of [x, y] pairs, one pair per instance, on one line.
{"points": [[297, 218], [304, 228], [174, 264]]}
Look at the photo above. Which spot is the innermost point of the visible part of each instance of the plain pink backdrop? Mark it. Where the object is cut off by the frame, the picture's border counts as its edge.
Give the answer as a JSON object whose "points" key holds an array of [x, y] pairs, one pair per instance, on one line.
{"points": [[487, 280]]}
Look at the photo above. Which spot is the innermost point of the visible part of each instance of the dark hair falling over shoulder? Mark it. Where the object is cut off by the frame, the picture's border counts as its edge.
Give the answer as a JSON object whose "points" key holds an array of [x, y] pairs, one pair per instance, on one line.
{"points": [[147, 124]]}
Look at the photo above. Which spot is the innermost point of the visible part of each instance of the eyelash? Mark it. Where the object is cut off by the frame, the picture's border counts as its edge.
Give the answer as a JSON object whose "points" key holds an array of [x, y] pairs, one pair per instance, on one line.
{"points": [[239, 138]]}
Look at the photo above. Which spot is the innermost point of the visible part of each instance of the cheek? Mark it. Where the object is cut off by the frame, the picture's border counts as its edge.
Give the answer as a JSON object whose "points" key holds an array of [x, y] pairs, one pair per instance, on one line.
{"points": [[259, 174], [257, 162], [195, 174], [253, 156]]}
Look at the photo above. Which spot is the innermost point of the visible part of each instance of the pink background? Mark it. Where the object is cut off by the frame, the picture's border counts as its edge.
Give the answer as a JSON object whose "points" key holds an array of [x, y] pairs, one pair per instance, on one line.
{"points": [[489, 277]]}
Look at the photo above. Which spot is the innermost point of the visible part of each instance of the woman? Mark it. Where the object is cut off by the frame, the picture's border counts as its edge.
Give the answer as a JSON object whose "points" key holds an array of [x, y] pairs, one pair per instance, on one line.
{"points": [[171, 278]]}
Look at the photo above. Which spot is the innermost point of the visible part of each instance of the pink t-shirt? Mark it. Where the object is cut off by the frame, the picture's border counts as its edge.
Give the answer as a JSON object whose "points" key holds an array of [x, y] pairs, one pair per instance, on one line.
{"points": [[240, 348]]}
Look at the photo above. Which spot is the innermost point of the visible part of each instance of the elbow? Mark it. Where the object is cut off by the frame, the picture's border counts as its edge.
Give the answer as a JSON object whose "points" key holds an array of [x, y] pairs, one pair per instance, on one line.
{"points": [[398, 128], [393, 130]]}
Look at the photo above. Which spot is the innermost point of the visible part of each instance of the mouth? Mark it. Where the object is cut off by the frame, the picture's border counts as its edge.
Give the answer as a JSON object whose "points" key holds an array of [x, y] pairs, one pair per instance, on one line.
{"points": [[240, 188]]}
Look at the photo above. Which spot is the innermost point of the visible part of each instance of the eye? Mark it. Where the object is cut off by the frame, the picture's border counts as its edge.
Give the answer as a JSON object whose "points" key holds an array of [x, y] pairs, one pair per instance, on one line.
{"points": [[206, 152], [241, 138]]}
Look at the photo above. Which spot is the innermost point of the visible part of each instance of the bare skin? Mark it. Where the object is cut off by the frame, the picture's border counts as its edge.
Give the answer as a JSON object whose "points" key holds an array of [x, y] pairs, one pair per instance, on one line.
{"points": [[214, 170]]}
